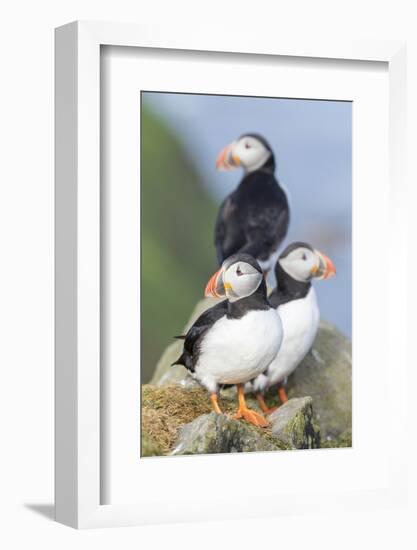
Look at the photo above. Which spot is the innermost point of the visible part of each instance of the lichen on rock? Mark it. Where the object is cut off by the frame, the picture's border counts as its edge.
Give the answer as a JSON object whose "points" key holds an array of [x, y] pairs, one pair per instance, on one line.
{"points": [[178, 420], [218, 433], [165, 409], [149, 447], [343, 440], [326, 376], [293, 424]]}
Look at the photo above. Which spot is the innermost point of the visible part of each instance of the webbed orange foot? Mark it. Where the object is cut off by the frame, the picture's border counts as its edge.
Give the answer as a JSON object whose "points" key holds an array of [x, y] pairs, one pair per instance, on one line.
{"points": [[248, 414], [264, 407], [252, 417], [282, 394]]}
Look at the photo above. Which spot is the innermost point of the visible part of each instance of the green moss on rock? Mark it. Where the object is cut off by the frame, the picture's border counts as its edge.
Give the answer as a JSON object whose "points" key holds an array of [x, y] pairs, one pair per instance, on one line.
{"points": [[343, 440], [293, 423], [217, 433], [178, 420], [326, 375], [165, 409], [149, 447]]}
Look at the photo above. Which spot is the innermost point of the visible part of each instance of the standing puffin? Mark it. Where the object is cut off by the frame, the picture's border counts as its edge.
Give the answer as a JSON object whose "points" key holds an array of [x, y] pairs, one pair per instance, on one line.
{"points": [[296, 303], [254, 218], [236, 340]]}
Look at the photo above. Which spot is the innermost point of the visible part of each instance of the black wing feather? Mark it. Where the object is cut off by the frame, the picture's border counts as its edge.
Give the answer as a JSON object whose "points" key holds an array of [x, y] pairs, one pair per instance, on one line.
{"points": [[194, 335], [228, 235], [265, 230], [253, 219]]}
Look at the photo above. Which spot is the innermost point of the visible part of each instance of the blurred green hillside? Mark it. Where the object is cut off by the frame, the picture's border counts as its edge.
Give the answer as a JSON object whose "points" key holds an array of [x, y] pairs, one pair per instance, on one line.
{"points": [[177, 252]]}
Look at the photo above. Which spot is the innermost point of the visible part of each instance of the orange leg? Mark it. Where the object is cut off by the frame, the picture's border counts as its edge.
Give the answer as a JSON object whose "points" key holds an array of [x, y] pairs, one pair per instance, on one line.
{"points": [[213, 399], [282, 394], [264, 407], [249, 415]]}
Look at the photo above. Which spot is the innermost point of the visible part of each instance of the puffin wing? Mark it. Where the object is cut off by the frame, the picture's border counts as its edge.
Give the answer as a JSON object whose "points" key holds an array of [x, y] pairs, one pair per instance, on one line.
{"points": [[228, 236], [220, 232], [193, 337], [265, 229]]}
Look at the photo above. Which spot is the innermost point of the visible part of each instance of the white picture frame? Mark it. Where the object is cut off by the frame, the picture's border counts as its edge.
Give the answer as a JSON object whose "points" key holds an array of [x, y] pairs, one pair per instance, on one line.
{"points": [[78, 405]]}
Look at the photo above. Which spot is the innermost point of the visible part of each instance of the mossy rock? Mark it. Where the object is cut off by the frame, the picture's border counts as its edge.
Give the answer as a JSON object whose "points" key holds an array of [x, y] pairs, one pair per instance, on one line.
{"points": [[326, 376], [293, 424], [218, 433], [343, 440], [165, 409], [149, 447], [179, 420]]}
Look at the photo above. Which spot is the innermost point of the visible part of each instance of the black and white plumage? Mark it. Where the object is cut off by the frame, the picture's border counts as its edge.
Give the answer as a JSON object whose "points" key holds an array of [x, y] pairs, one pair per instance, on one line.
{"points": [[254, 218], [296, 303], [236, 340], [192, 340]]}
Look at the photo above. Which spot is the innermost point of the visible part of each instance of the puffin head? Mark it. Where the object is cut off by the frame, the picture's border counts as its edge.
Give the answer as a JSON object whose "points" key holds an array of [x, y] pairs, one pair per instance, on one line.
{"points": [[302, 262], [239, 277], [251, 152]]}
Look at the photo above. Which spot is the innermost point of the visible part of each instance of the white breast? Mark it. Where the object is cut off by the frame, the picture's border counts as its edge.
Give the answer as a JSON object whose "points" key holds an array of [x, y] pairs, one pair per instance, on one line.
{"points": [[300, 322], [235, 351]]}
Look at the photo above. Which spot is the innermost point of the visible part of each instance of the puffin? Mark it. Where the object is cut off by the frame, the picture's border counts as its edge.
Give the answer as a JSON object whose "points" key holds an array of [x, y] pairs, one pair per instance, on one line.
{"points": [[295, 301], [234, 341], [254, 218]]}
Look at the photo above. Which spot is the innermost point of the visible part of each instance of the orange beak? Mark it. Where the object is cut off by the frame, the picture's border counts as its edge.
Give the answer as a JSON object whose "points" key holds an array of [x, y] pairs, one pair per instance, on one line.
{"points": [[326, 267], [215, 287], [226, 160]]}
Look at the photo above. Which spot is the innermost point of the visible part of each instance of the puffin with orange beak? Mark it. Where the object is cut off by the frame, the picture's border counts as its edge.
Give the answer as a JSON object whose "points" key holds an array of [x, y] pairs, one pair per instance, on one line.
{"points": [[236, 340], [254, 218], [295, 301]]}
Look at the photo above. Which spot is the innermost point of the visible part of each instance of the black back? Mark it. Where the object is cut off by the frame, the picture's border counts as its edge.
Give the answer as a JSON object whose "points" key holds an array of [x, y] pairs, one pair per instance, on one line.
{"points": [[254, 218]]}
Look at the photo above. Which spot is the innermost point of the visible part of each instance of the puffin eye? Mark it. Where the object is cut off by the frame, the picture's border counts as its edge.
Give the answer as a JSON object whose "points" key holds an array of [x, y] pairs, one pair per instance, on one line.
{"points": [[239, 271], [247, 145], [304, 256]]}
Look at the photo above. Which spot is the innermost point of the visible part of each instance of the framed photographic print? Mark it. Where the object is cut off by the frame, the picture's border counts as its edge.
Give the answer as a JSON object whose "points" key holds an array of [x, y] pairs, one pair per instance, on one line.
{"points": [[221, 206]]}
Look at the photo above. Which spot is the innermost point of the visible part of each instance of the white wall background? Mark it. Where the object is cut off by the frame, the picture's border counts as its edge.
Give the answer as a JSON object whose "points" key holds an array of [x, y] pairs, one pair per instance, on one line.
{"points": [[26, 273]]}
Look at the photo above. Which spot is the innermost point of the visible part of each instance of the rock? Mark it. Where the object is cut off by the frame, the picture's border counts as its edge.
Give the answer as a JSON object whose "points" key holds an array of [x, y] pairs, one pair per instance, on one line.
{"points": [[178, 420], [217, 433], [165, 409], [149, 447], [293, 424], [325, 375], [343, 440]]}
